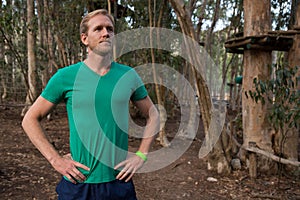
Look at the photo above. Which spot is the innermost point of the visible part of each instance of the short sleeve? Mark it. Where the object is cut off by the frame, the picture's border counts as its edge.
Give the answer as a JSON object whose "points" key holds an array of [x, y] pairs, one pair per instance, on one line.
{"points": [[53, 91], [140, 91]]}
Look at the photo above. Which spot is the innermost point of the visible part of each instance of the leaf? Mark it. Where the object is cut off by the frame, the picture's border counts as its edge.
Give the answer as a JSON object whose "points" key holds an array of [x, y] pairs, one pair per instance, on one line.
{"points": [[256, 99], [290, 125], [263, 87], [255, 81], [251, 94]]}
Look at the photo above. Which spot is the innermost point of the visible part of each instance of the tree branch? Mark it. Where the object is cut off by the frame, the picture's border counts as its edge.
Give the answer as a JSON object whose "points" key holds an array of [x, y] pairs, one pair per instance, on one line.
{"points": [[273, 157]]}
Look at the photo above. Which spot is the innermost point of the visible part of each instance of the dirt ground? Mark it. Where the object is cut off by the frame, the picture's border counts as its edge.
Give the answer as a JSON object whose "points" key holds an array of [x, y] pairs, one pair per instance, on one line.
{"points": [[25, 174]]}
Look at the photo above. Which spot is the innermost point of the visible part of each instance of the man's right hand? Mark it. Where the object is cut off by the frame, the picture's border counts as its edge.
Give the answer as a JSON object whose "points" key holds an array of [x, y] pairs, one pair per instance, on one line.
{"points": [[68, 167]]}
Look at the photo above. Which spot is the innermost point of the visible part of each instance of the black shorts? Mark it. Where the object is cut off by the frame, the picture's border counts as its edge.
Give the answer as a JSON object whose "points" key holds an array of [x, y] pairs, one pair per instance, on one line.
{"points": [[114, 190]]}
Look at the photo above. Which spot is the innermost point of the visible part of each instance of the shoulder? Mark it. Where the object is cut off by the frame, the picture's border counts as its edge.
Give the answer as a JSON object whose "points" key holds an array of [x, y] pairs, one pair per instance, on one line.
{"points": [[121, 67], [68, 72], [124, 70], [71, 68]]}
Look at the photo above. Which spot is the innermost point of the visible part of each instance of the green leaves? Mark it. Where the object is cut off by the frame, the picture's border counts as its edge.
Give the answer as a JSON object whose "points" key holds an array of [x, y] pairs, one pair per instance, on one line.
{"points": [[283, 96]]}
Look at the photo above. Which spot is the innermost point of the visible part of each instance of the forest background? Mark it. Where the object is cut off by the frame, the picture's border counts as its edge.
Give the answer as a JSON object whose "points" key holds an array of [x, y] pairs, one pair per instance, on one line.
{"points": [[40, 36]]}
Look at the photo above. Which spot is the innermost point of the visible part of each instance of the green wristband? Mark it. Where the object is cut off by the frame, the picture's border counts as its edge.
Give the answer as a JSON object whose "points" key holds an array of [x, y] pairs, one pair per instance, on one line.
{"points": [[141, 155]]}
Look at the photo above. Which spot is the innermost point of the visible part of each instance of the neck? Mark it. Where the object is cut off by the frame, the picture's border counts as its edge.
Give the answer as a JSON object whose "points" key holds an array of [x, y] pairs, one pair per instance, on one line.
{"points": [[99, 64]]}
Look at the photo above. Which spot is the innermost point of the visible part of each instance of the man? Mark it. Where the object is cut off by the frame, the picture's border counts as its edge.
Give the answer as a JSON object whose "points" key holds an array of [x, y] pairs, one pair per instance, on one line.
{"points": [[96, 93]]}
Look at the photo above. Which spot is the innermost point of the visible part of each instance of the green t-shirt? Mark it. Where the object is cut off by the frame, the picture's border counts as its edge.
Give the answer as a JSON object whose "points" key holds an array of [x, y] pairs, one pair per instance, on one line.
{"points": [[98, 111]]}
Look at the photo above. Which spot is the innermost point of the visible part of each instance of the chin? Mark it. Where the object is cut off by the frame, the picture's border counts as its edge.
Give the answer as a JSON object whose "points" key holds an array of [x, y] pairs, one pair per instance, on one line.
{"points": [[102, 51]]}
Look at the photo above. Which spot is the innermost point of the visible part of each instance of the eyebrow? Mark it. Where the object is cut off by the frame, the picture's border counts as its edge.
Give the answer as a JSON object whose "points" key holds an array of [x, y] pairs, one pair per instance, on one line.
{"points": [[101, 26]]}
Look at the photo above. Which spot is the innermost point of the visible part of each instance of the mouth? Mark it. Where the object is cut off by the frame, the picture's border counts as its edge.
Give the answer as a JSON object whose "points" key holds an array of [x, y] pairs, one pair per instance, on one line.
{"points": [[105, 41]]}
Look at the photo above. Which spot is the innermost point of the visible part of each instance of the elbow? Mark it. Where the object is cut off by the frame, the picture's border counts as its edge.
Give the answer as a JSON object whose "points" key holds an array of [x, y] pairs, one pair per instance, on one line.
{"points": [[28, 121], [25, 121], [155, 117]]}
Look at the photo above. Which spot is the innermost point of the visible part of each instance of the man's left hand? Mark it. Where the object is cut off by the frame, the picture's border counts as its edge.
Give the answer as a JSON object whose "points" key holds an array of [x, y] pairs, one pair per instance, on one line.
{"points": [[130, 166]]}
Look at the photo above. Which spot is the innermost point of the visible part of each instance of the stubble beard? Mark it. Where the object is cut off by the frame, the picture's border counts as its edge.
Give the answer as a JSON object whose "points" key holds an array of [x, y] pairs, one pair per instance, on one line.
{"points": [[103, 49]]}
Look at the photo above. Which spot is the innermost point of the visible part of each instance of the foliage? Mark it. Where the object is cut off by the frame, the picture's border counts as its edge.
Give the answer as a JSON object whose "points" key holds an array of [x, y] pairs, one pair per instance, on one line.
{"points": [[61, 23], [13, 31], [283, 94], [281, 14]]}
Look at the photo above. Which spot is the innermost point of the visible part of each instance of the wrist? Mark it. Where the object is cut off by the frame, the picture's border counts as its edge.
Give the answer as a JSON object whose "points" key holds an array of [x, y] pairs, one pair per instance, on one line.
{"points": [[142, 155], [53, 160]]}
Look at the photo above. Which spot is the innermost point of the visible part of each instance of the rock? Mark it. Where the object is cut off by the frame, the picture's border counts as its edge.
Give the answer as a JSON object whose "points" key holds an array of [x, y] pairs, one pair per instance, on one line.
{"points": [[236, 164], [211, 179]]}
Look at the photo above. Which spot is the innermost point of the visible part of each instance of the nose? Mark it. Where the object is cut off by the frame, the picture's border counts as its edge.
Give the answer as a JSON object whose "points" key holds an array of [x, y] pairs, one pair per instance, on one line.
{"points": [[105, 32]]}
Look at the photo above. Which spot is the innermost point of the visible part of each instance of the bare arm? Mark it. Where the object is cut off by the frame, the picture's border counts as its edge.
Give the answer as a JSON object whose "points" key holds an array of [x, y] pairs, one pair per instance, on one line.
{"points": [[150, 112], [32, 127], [132, 164]]}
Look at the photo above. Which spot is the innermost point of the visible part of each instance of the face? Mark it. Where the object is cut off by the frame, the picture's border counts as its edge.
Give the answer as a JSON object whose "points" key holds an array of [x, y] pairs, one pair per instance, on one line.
{"points": [[99, 36]]}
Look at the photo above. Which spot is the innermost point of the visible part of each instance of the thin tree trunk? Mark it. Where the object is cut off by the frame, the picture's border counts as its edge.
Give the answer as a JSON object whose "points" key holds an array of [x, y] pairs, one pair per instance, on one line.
{"points": [[109, 7], [189, 131], [62, 51], [115, 9], [225, 68], [208, 44], [200, 20], [3, 91], [3, 87], [39, 5], [185, 22], [162, 134], [32, 71], [209, 114], [52, 66]]}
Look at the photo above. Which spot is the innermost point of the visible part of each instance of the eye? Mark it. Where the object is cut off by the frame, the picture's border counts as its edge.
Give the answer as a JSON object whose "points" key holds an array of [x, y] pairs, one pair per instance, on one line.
{"points": [[110, 29], [98, 28]]}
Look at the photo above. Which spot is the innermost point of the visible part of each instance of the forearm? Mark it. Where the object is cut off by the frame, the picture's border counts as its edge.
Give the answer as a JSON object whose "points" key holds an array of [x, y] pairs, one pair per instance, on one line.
{"points": [[132, 164], [151, 129], [32, 127], [34, 131]]}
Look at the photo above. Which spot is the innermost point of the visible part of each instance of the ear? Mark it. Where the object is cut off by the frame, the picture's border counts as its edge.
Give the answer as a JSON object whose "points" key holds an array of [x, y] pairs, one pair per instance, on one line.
{"points": [[83, 38]]}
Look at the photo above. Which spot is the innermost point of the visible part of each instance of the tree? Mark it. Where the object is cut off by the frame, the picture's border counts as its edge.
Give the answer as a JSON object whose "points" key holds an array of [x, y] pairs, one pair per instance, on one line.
{"points": [[284, 113], [55, 43], [32, 70], [216, 158], [257, 63], [291, 144], [158, 89]]}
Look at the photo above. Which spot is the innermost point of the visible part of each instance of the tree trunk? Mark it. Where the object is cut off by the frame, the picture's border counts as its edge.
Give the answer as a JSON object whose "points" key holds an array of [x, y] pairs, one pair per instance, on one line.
{"points": [[3, 89], [158, 90], [188, 132], [62, 51], [211, 118], [290, 148], [32, 72], [208, 46], [256, 65], [109, 7], [1, 64], [186, 25], [39, 5], [52, 66]]}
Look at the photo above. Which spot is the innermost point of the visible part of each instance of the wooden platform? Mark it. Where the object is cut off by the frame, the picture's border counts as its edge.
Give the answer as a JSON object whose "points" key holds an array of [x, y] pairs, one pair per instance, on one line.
{"points": [[272, 41]]}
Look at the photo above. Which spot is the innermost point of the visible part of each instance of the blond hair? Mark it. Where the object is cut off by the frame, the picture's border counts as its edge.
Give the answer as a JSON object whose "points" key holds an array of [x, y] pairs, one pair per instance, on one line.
{"points": [[84, 22]]}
